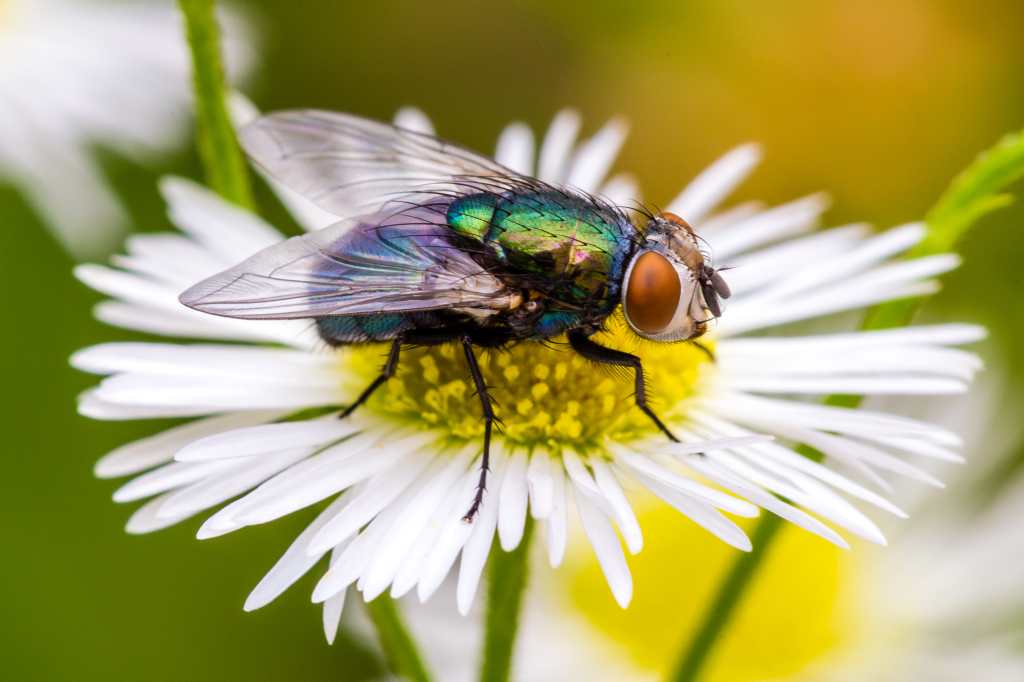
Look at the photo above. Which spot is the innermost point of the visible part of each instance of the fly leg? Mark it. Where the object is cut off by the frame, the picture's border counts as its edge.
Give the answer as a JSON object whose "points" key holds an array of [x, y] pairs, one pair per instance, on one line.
{"points": [[386, 373], [488, 410], [594, 351]]}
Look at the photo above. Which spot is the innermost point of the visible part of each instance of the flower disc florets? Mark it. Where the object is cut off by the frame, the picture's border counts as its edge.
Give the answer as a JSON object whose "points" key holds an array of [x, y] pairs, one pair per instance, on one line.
{"points": [[544, 393]]}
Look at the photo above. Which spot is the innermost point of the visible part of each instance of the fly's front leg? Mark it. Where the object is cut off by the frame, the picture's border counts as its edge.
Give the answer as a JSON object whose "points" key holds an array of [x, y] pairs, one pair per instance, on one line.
{"points": [[488, 410], [592, 350], [386, 372], [704, 349]]}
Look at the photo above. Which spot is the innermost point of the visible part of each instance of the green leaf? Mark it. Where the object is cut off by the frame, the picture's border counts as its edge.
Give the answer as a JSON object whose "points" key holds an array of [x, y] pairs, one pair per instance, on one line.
{"points": [[973, 194], [225, 166]]}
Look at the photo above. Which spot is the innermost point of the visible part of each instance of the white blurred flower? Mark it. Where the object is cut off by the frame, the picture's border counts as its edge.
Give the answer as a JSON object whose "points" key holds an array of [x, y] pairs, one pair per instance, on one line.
{"points": [[75, 74], [400, 473]]}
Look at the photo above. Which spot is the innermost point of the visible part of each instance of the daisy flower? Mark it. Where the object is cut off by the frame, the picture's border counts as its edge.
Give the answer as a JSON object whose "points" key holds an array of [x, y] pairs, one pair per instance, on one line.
{"points": [[79, 73], [912, 611], [392, 482]]}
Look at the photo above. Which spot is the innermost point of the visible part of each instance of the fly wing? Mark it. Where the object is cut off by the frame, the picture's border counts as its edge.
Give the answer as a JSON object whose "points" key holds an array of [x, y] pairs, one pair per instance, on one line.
{"points": [[403, 262], [351, 166]]}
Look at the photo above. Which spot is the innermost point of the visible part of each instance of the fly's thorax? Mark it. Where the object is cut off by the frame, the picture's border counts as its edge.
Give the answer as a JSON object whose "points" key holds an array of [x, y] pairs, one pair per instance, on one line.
{"points": [[571, 248]]}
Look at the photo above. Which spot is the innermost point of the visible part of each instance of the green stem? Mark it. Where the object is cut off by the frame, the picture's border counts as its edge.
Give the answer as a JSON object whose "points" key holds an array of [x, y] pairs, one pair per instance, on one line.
{"points": [[972, 195], [728, 598], [505, 588], [222, 158], [400, 652]]}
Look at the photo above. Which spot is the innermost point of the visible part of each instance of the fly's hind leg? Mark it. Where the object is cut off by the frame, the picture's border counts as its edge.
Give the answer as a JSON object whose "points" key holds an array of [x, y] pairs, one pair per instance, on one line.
{"points": [[386, 372], [594, 351], [489, 419]]}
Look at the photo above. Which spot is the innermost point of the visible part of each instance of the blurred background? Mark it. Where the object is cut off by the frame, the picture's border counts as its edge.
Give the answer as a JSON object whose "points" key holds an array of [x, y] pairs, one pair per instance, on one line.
{"points": [[879, 107]]}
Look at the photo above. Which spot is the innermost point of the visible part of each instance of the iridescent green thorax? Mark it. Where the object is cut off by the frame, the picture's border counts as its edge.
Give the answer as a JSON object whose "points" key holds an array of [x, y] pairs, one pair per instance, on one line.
{"points": [[572, 247]]}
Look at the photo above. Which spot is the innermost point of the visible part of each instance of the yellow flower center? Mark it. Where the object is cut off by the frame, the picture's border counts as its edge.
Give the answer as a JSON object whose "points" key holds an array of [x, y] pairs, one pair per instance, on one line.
{"points": [[544, 394], [796, 611]]}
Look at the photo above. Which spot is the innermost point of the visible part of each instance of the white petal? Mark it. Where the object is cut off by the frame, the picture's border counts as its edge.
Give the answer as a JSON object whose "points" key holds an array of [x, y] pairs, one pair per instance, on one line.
{"points": [[231, 232], [620, 189], [557, 521], [715, 183], [767, 501], [901, 337], [438, 481], [870, 252], [333, 607], [355, 557], [454, 534], [512, 501], [342, 466], [415, 120], [622, 512], [160, 448], [250, 364], [214, 490], [856, 422], [776, 223], [553, 163], [290, 491], [846, 450], [703, 514], [293, 564], [595, 156], [168, 477], [146, 520], [753, 271], [268, 438], [516, 148], [539, 482], [478, 546], [919, 447], [878, 385], [646, 465], [607, 548], [771, 453], [381, 491]]}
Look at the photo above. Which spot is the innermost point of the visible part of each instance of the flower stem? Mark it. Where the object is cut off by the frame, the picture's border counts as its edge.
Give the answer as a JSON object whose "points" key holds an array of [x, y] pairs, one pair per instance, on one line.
{"points": [[505, 588], [973, 194], [725, 602], [218, 148], [400, 652]]}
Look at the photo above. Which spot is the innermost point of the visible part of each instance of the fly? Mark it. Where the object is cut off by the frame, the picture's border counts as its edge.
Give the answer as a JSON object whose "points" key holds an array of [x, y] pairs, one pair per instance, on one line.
{"points": [[437, 244]]}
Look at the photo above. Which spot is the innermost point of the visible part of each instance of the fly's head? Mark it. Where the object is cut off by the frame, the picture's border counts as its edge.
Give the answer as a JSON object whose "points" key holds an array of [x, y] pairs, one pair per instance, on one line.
{"points": [[670, 290]]}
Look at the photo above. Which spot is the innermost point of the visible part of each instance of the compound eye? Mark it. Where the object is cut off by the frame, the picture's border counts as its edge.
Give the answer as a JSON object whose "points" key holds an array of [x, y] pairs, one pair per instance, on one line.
{"points": [[674, 218], [652, 293]]}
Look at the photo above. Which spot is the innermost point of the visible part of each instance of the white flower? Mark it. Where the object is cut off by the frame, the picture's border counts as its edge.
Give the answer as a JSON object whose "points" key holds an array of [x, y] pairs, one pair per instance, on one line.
{"points": [[79, 73], [572, 438]]}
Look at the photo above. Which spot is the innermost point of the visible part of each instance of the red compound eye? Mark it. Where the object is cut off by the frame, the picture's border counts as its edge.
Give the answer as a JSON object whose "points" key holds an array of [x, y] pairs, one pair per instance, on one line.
{"points": [[652, 293]]}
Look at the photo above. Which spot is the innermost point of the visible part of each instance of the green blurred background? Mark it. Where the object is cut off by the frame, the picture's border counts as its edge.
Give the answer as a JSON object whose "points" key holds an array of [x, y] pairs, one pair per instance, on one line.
{"points": [[881, 107]]}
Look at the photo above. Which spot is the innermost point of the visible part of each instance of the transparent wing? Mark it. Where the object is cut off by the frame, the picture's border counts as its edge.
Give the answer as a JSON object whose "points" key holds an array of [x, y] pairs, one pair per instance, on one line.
{"points": [[352, 166], [403, 262]]}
